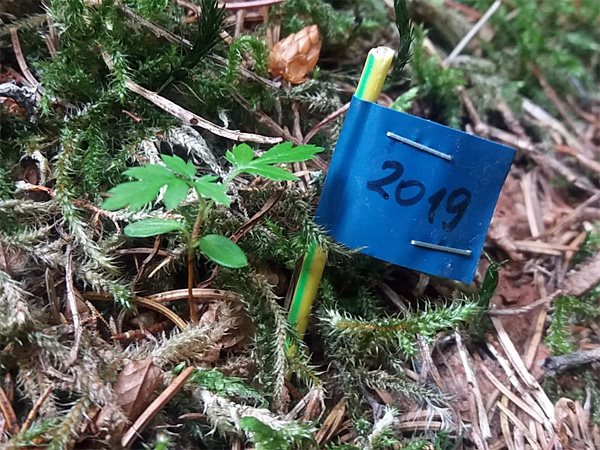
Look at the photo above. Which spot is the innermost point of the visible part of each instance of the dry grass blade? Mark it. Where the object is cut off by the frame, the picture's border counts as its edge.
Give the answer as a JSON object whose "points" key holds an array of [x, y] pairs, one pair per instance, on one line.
{"points": [[515, 420], [199, 294], [332, 423], [522, 371], [21, 59], [513, 397], [140, 301]]}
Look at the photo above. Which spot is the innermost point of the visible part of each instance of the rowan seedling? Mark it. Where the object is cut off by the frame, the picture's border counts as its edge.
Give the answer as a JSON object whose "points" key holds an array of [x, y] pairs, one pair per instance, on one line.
{"points": [[179, 177]]}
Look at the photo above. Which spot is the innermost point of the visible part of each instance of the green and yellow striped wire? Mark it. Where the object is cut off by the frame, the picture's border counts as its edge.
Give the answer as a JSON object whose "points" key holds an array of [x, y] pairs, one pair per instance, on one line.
{"points": [[369, 87]]}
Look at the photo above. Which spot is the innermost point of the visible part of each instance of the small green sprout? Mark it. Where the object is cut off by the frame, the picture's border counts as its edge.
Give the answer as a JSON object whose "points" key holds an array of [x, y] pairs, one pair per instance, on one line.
{"points": [[179, 177]]}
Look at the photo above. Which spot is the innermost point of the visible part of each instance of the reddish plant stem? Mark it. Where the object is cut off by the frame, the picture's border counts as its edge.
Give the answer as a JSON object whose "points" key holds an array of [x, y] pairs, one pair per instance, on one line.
{"points": [[191, 254]]}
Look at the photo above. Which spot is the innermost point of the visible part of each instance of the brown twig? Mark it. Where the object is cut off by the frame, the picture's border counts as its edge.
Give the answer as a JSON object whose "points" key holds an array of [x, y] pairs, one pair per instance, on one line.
{"points": [[36, 407], [78, 203], [141, 251], [265, 120], [525, 309], [334, 115], [564, 362], [189, 117], [140, 333], [551, 94], [251, 4], [72, 302], [9, 413], [154, 407], [171, 296]]}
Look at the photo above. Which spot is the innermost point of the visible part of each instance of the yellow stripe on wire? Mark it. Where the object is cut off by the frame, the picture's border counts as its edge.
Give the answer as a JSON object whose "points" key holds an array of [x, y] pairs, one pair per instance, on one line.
{"points": [[373, 75], [369, 87]]}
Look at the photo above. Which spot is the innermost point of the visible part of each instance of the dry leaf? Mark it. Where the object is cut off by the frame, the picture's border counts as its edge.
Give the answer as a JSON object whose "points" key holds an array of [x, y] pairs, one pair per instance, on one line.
{"points": [[136, 385], [295, 56]]}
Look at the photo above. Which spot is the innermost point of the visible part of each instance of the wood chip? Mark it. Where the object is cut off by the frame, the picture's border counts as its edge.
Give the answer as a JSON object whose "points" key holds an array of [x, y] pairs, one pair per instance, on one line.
{"points": [[585, 277]]}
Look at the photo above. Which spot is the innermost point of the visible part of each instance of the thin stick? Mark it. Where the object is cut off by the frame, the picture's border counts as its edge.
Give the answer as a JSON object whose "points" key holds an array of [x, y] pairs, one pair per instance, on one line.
{"points": [[472, 32], [525, 309], [334, 115], [190, 118], [12, 424], [38, 404], [154, 407], [72, 302], [234, 6], [539, 325]]}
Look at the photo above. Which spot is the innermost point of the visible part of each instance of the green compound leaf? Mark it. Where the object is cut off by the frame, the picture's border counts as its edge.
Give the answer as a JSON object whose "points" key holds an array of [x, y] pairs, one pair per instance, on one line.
{"points": [[241, 158], [271, 172], [223, 251], [284, 153], [243, 154], [178, 165], [150, 172], [153, 227], [177, 190], [152, 177], [207, 188], [136, 194]]}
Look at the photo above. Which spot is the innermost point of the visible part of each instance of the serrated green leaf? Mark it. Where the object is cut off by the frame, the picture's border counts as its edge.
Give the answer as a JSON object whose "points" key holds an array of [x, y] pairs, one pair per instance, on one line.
{"points": [[271, 172], [207, 188], [285, 153], [150, 172], [230, 157], [178, 165], [177, 191], [223, 251], [152, 227], [134, 193], [243, 154]]}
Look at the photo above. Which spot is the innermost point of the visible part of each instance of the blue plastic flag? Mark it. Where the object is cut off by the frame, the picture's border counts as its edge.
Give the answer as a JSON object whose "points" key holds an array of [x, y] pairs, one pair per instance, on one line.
{"points": [[412, 192]]}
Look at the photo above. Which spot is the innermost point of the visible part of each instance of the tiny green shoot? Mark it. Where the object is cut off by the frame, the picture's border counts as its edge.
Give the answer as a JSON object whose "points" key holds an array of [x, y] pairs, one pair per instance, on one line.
{"points": [[179, 177]]}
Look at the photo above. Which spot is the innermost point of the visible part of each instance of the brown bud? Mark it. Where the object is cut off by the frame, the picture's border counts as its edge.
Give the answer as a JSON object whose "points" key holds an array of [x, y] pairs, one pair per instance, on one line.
{"points": [[295, 56]]}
